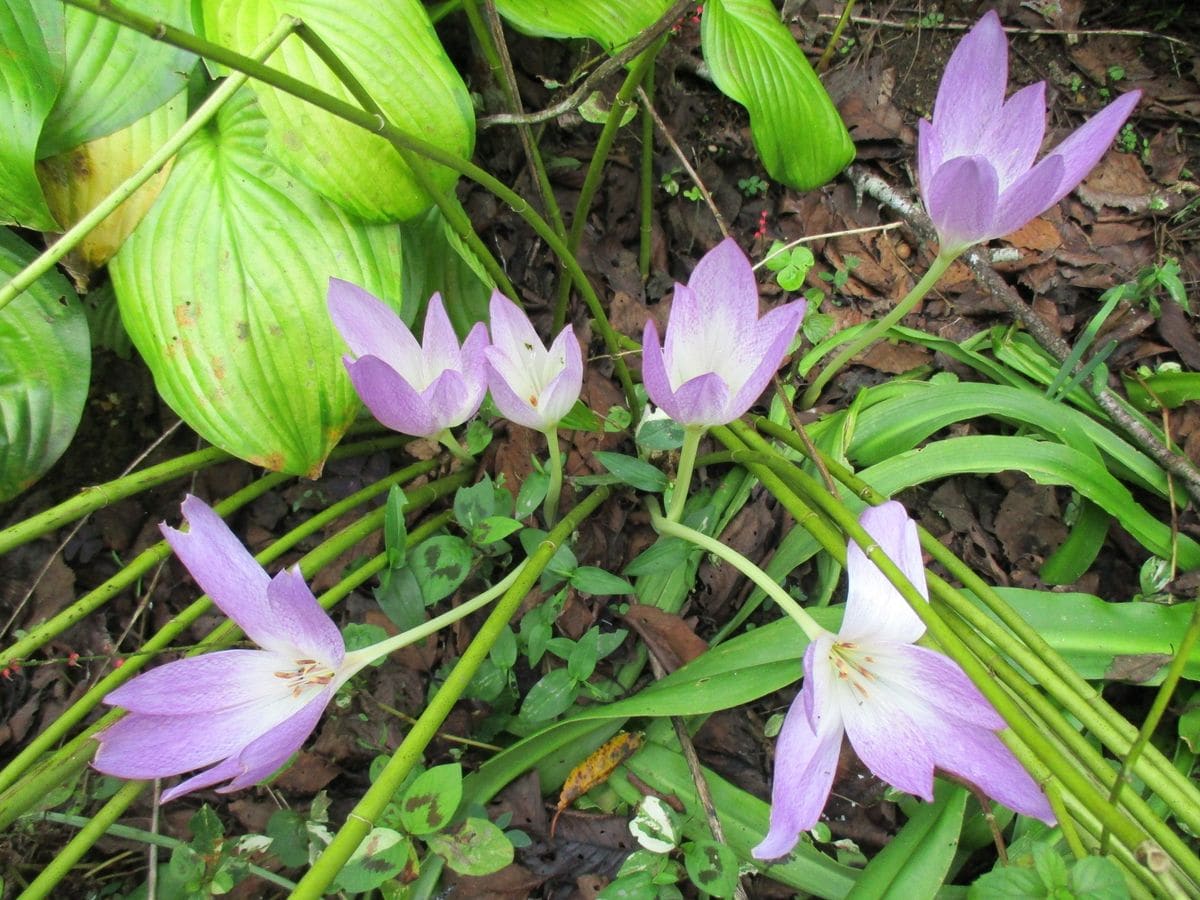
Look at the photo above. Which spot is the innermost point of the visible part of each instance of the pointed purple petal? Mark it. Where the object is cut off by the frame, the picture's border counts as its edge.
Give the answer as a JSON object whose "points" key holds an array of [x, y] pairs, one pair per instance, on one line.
{"points": [[512, 406], [654, 373], [563, 390], [805, 764], [449, 400], [512, 332], [1029, 197], [143, 746], [439, 343], [724, 283], [946, 686], [260, 758], [972, 87], [687, 344], [961, 201], [979, 756], [1012, 140], [1083, 148], [772, 336], [390, 398], [474, 369], [223, 568], [875, 611], [370, 327], [704, 400], [301, 625], [201, 684], [929, 156]]}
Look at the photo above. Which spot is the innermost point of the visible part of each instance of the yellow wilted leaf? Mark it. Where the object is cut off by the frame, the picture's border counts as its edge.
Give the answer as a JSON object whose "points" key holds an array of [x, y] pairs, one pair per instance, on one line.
{"points": [[595, 769]]}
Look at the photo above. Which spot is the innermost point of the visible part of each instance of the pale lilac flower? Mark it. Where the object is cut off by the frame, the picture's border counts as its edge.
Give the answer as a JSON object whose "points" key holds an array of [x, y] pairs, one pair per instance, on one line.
{"points": [[718, 355], [907, 710], [531, 385], [975, 160], [417, 389], [242, 713]]}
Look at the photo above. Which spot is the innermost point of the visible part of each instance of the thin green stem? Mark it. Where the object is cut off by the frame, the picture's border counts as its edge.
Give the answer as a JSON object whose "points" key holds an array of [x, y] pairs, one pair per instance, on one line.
{"points": [[936, 269], [692, 435], [59, 867], [670, 528], [447, 439], [379, 125], [554, 465], [125, 832], [831, 47], [157, 160], [357, 659], [367, 811], [595, 170], [90, 499]]}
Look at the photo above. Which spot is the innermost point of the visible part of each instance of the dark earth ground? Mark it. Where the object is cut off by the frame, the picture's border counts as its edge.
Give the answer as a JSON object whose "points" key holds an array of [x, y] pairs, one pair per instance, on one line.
{"points": [[884, 77]]}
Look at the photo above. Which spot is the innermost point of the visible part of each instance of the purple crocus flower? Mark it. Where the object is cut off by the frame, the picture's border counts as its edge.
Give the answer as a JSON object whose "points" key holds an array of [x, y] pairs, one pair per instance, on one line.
{"points": [[417, 389], [718, 355], [975, 160], [531, 385], [907, 710], [241, 713]]}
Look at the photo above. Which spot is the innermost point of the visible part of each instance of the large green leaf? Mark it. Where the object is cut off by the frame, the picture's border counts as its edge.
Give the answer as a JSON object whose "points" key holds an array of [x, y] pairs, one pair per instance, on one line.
{"points": [[114, 75], [31, 55], [609, 23], [77, 181], [755, 60], [392, 49], [222, 289], [45, 365]]}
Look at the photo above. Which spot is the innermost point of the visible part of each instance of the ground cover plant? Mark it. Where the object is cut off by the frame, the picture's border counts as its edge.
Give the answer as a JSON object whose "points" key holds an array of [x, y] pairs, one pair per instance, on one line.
{"points": [[497, 448]]}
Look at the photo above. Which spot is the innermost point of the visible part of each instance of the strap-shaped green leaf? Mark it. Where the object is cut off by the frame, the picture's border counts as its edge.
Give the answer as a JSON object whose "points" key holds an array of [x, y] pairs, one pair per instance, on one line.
{"points": [[222, 289], [755, 60], [114, 76], [31, 58], [393, 51], [609, 23], [45, 366]]}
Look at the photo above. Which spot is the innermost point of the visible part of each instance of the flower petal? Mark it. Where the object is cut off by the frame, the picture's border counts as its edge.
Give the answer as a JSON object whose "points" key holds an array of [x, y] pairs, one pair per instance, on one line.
{"points": [[961, 201], [972, 87], [979, 756], [390, 398], [512, 332], [301, 625], [223, 568], [654, 372], [155, 746], [1029, 196], [439, 343], [260, 757], [560, 394], [370, 327], [1083, 148], [946, 686], [199, 685], [929, 155], [450, 400], [704, 400], [687, 346], [875, 611], [724, 283], [772, 335], [512, 406], [1011, 141], [805, 764]]}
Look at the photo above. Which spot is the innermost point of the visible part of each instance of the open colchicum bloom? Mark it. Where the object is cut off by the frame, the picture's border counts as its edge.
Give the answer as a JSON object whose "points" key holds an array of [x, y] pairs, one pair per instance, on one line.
{"points": [[976, 159], [417, 389], [531, 385], [718, 355], [907, 710], [242, 713]]}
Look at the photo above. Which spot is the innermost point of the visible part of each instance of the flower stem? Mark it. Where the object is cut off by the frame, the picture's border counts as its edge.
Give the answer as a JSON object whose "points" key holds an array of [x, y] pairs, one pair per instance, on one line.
{"points": [[672, 528], [554, 489], [357, 659], [683, 475], [450, 442], [936, 269]]}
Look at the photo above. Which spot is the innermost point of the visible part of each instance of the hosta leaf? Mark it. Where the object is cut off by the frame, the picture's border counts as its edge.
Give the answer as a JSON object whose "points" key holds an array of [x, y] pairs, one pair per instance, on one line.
{"points": [[393, 51], [45, 365], [114, 75], [75, 182], [222, 289], [755, 60], [609, 23], [31, 58]]}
